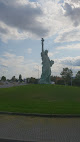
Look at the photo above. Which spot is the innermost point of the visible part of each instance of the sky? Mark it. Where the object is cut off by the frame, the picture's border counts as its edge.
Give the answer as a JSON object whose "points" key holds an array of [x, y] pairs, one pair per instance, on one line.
{"points": [[22, 25]]}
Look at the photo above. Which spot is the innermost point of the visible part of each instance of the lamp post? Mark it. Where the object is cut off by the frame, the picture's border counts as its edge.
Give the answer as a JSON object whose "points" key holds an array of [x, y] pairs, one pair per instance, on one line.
{"points": [[38, 71], [71, 80], [71, 75], [36, 68]]}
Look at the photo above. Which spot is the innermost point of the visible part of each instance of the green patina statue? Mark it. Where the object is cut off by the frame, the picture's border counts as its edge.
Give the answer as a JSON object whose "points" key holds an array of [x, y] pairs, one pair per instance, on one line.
{"points": [[46, 67]]}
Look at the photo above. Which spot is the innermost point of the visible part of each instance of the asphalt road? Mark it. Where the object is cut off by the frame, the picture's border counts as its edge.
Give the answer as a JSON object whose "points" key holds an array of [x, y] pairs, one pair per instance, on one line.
{"points": [[37, 129], [9, 140]]}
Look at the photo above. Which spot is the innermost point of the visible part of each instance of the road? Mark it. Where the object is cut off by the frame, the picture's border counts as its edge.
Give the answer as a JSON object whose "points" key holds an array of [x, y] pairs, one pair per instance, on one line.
{"points": [[39, 129]]}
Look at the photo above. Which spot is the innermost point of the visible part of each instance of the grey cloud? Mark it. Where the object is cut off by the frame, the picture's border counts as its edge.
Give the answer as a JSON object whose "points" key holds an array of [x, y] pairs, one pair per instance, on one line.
{"points": [[22, 17], [75, 1], [72, 35], [9, 2], [3, 30], [3, 66], [71, 62], [73, 13]]}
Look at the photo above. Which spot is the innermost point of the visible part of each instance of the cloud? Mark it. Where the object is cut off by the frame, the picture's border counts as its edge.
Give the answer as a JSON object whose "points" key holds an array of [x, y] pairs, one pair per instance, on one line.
{"points": [[7, 33], [50, 54], [22, 17], [9, 55], [11, 64], [68, 35], [70, 61], [29, 50], [69, 47], [14, 2], [53, 16], [73, 13], [72, 1], [71, 30], [26, 19], [11, 60]]}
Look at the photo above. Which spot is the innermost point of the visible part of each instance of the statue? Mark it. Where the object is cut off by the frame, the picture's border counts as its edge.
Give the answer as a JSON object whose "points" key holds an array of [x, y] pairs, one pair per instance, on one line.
{"points": [[46, 67]]}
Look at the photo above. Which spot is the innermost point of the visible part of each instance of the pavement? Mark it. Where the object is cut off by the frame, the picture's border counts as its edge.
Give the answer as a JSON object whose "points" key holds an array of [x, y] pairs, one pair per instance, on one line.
{"points": [[38, 129], [8, 85]]}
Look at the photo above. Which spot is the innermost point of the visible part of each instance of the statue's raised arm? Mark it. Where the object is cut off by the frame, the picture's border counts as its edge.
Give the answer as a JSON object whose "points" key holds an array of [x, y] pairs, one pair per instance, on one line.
{"points": [[42, 53], [42, 45]]}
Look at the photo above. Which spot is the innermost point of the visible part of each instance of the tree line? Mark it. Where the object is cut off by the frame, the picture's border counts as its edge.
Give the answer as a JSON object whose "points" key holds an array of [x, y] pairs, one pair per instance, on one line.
{"points": [[13, 79], [20, 80], [65, 79]]}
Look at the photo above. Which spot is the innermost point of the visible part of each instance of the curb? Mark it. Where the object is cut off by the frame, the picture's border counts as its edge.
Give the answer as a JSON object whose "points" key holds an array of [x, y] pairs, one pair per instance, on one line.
{"points": [[42, 115], [11, 140]]}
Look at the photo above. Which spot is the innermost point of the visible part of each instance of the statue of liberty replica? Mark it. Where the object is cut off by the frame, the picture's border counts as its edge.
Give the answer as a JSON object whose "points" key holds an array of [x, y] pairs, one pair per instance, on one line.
{"points": [[46, 66]]}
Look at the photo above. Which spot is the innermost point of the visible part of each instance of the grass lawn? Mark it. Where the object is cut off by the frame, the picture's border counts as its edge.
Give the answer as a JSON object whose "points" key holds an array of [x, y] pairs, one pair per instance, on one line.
{"points": [[50, 99]]}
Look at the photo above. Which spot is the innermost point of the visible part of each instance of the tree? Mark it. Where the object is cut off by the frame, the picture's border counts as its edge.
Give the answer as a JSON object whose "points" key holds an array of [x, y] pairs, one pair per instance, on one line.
{"points": [[13, 79], [60, 82], [77, 79], [3, 78], [78, 75], [66, 75], [53, 78], [57, 80], [32, 80], [20, 78]]}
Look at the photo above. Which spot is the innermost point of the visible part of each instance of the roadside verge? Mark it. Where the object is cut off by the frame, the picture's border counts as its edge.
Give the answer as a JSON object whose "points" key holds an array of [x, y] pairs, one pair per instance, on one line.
{"points": [[42, 115]]}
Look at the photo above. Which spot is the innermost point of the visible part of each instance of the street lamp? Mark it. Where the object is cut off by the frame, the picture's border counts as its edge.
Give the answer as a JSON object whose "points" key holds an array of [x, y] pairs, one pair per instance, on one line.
{"points": [[71, 75], [38, 71]]}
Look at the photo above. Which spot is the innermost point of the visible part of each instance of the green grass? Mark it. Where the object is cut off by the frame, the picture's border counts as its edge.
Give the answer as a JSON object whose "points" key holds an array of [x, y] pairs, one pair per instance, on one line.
{"points": [[50, 99]]}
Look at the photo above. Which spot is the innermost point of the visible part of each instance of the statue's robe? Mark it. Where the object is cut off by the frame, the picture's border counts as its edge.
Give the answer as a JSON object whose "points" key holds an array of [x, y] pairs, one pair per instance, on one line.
{"points": [[46, 70]]}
